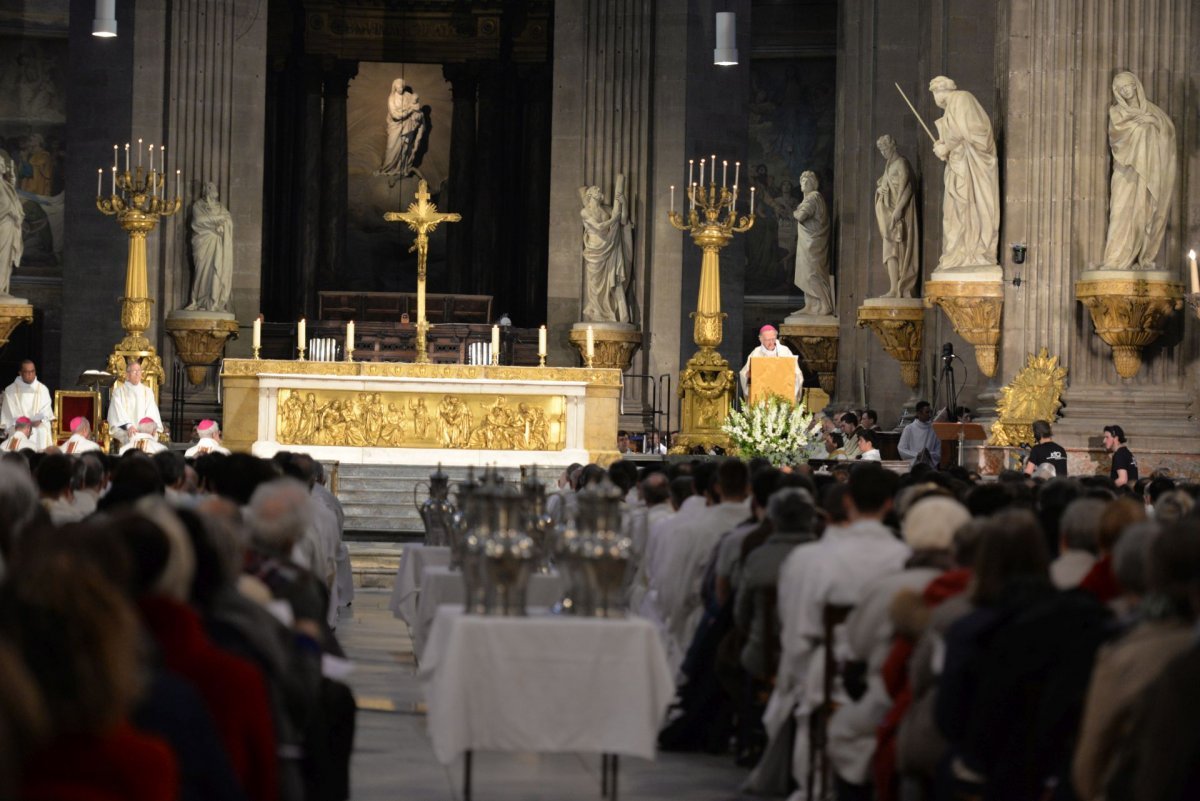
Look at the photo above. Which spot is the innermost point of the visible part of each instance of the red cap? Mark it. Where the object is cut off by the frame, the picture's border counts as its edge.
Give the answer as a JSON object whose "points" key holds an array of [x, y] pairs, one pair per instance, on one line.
{"points": [[147, 420], [24, 421], [76, 422], [206, 425], [766, 328]]}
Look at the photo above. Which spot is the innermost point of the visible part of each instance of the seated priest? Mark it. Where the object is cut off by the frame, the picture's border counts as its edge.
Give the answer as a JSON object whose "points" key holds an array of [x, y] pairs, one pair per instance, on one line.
{"points": [[210, 440], [145, 438], [130, 402], [769, 345], [20, 439], [28, 397], [80, 440]]}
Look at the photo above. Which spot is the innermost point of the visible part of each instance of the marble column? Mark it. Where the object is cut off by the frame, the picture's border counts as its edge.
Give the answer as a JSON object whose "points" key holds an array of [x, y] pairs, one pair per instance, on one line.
{"points": [[335, 82], [460, 197]]}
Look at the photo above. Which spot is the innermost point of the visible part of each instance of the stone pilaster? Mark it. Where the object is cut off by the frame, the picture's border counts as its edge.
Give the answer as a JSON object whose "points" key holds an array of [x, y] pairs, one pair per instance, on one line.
{"points": [[336, 80], [464, 88]]}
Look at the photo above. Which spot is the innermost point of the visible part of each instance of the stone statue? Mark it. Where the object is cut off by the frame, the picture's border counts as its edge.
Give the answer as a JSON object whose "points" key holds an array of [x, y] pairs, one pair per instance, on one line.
{"points": [[812, 249], [607, 254], [1142, 138], [212, 253], [971, 201], [405, 129], [896, 214], [12, 216]]}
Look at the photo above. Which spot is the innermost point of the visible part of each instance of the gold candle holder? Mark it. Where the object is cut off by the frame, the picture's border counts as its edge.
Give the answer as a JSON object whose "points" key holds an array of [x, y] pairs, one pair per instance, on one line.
{"points": [[541, 360], [301, 358], [255, 355]]}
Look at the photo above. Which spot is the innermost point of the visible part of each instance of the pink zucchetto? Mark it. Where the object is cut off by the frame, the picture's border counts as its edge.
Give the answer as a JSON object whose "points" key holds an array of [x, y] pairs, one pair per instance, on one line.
{"points": [[23, 421], [76, 422], [145, 420], [766, 328], [206, 425]]}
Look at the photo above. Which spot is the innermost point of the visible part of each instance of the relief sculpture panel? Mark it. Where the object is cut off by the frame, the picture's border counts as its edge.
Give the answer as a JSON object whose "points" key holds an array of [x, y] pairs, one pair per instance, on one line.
{"points": [[421, 420]]}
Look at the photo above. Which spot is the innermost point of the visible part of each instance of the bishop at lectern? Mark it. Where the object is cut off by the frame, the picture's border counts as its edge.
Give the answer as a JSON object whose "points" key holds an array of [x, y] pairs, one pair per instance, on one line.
{"points": [[769, 347]]}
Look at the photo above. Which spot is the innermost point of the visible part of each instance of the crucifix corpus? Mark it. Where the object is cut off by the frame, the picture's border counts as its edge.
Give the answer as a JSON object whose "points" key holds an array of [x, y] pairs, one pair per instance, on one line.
{"points": [[422, 217]]}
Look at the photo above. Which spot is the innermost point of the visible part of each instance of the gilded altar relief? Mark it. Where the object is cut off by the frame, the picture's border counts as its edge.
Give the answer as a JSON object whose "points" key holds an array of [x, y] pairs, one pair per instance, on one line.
{"points": [[421, 420]]}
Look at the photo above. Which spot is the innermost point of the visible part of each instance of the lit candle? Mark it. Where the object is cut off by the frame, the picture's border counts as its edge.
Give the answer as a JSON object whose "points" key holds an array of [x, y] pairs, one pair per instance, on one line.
{"points": [[752, 201], [256, 334], [737, 171], [542, 341], [99, 178], [724, 172], [139, 154], [672, 199], [350, 340], [712, 169], [591, 343], [177, 184], [496, 344], [126, 157], [114, 181], [733, 200], [301, 339], [695, 191], [702, 172], [1195, 274], [151, 159], [114, 157], [691, 163]]}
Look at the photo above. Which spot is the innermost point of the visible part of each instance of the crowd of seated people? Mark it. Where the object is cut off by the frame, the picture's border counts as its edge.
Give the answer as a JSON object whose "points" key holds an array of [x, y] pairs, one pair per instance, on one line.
{"points": [[167, 630], [1011, 639]]}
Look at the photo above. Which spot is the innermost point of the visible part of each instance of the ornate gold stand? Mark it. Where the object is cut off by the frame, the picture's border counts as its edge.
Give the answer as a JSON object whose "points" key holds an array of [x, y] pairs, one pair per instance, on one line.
{"points": [[199, 341], [137, 206], [707, 384], [900, 329], [1034, 394], [974, 309], [613, 347], [1129, 310], [11, 316], [817, 345]]}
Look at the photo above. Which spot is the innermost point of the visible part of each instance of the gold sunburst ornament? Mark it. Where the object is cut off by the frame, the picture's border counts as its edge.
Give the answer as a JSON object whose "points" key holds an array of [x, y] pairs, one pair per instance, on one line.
{"points": [[1035, 393]]}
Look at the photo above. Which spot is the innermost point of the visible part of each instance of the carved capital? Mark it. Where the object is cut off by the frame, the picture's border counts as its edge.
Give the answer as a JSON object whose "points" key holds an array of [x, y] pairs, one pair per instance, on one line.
{"points": [[817, 347], [613, 349], [974, 309], [199, 341], [1129, 313], [900, 330]]}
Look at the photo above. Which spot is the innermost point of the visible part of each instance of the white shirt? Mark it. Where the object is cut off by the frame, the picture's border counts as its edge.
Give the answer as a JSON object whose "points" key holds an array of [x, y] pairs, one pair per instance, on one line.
{"points": [[17, 442], [129, 403], [32, 401], [205, 445], [77, 444], [147, 443], [872, 455], [780, 350]]}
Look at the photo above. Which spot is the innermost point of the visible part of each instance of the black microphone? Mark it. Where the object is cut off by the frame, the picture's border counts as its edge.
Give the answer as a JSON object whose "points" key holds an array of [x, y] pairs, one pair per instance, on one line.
{"points": [[948, 351]]}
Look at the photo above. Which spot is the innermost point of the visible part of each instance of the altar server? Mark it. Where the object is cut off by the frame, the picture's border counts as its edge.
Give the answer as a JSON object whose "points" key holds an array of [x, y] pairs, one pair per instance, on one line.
{"points": [[19, 440], [210, 440], [145, 438], [130, 402], [28, 397], [80, 440]]}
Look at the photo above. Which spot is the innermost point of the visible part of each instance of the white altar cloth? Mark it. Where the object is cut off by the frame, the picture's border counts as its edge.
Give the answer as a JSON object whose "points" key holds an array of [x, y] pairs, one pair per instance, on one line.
{"points": [[407, 583], [442, 586], [544, 683]]}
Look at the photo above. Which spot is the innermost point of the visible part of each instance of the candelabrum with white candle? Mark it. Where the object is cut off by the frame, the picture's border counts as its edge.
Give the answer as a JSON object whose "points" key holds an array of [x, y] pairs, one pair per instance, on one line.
{"points": [[707, 383], [139, 196]]}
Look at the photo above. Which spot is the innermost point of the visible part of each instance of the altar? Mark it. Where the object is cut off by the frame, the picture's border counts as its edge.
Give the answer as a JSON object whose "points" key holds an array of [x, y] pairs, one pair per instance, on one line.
{"points": [[393, 413]]}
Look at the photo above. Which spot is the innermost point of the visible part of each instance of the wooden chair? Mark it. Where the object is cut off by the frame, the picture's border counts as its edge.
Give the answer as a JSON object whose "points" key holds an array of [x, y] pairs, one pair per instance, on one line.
{"points": [[833, 616], [69, 404]]}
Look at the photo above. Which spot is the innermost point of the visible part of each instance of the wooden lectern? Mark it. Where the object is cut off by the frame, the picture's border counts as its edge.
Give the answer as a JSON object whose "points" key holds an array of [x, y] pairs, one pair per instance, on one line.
{"points": [[959, 433], [772, 375]]}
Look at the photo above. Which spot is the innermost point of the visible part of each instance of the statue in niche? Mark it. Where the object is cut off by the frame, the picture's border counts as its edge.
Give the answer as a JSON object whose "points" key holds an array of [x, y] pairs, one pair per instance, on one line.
{"points": [[812, 249], [212, 252], [607, 254], [1142, 138], [12, 216], [896, 214], [406, 126], [971, 201]]}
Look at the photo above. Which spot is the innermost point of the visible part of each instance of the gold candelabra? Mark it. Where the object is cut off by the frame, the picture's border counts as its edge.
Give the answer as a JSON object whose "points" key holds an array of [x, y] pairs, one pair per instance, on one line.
{"points": [[138, 199], [707, 385]]}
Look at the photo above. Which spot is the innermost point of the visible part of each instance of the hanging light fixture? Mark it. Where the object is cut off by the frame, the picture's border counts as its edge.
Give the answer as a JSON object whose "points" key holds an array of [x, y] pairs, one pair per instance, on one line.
{"points": [[726, 53], [104, 24]]}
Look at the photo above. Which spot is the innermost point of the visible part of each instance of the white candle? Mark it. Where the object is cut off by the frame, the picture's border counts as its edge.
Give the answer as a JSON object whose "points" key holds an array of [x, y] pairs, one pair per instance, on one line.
{"points": [[177, 183], [712, 169], [752, 201], [702, 172], [542, 340], [99, 178], [672, 199], [139, 153], [256, 333], [114, 181], [591, 343], [350, 340], [737, 171], [1195, 274], [151, 159], [496, 344], [114, 157], [300, 334], [724, 173], [126, 157], [691, 163]]}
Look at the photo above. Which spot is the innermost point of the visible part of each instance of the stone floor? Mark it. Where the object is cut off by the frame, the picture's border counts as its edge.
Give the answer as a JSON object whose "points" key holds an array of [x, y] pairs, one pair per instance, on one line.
{"points": [[393, 758]]}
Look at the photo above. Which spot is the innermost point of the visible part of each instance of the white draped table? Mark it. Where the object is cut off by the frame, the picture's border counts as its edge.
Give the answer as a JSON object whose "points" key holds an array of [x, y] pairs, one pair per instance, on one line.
{"points": [[407, 584], [544, 683], [440, 586]]}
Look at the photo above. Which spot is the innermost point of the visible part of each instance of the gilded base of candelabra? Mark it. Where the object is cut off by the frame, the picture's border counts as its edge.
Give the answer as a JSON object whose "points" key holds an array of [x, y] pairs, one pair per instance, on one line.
{"points": [[1129, 310], [816, 343], [706, 388], [12, 315], [200, 339], [614, 343], [423, 342], [974, 308], [899, 323]]}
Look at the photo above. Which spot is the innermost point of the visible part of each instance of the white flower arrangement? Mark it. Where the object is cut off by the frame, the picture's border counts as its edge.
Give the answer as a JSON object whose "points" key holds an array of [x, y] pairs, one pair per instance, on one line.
{"points": [[773, 428]]}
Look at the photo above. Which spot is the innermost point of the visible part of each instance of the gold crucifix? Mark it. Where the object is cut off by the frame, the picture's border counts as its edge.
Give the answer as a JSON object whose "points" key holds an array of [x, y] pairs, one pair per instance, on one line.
{"points": [[422, 217]]}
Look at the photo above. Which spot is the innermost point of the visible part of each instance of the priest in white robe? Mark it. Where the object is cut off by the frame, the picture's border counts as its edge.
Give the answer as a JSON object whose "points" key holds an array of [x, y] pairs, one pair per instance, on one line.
{"points": [[130, 402], [28, 397], [769, 345], [19, 439], [144, 439], [80, 440], [210, 440]]}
